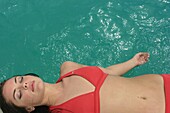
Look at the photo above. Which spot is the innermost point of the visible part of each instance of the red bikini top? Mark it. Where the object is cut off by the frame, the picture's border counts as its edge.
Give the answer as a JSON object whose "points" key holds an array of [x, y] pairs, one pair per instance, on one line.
{"points": [[85, 103]]}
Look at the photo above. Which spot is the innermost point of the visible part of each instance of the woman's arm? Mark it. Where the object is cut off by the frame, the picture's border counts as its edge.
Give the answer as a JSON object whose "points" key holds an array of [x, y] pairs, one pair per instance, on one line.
{"points": [[117, 69], [122, 68]]}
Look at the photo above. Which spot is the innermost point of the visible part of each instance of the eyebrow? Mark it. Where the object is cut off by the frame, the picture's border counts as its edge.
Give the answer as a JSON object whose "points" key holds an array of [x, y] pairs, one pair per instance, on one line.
{"points": [[14, 89]]}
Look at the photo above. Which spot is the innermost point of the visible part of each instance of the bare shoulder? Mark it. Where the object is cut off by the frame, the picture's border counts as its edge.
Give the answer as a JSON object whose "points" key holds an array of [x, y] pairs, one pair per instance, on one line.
{"points": [[69, 66]]}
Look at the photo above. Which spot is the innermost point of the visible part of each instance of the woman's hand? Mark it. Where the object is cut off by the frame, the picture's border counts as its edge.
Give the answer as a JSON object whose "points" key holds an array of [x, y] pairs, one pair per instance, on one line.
{"points": [[140, 58], [121, 68]]}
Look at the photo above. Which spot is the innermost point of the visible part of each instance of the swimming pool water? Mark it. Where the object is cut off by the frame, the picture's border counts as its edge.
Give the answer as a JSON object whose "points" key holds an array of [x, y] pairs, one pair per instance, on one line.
{"points": [[37, 36]]}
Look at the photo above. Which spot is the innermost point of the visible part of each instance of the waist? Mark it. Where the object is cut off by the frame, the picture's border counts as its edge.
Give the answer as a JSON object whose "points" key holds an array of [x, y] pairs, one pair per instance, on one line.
{"points": [[166, 78]]}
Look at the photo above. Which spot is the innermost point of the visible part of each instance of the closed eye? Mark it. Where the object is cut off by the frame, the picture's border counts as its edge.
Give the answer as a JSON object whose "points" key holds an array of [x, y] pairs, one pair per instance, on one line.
{"points": [[21, 79], [20, 94]]}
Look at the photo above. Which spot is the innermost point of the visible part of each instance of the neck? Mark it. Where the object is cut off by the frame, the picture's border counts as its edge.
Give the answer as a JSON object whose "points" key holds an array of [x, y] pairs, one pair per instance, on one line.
{"points": [[53, 93]]}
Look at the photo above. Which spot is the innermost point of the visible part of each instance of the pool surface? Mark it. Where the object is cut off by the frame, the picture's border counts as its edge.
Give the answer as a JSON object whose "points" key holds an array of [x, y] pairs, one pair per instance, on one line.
{"points": [[38, 36]]}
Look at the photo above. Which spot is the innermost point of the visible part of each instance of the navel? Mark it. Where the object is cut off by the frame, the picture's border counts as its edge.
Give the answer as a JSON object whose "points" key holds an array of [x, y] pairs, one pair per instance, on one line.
{"points": [[142, 97]]}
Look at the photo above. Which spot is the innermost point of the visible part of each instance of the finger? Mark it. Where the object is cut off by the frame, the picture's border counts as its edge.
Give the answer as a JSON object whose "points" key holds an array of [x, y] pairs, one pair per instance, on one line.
{"points": [[146, 55], [143, 54]]}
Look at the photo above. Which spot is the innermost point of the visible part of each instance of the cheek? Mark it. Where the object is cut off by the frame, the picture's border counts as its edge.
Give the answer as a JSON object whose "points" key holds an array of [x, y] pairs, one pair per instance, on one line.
{"points": [[32, 99], [27, 98]]}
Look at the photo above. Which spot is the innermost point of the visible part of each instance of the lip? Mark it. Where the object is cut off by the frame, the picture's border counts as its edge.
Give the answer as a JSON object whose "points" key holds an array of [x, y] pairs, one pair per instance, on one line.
{"points": [[32, 86]]}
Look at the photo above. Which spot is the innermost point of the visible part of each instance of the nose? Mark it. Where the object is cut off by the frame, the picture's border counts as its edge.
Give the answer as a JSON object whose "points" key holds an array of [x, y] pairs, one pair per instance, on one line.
{"points": [[25, 85]]}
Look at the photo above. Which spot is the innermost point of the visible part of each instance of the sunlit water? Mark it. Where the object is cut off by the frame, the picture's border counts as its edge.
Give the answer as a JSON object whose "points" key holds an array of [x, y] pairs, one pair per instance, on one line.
{"points": [[38, 36]]}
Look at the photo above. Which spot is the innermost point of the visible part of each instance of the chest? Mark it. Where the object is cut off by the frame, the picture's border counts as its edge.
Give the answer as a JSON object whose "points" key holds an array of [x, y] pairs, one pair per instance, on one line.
{"points": [[75, 86], [78, 96]]}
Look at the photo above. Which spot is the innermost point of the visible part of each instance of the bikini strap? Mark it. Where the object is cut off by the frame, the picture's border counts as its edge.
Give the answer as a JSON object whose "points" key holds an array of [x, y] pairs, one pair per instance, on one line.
{"points": [[92, 73], [65, 75]]}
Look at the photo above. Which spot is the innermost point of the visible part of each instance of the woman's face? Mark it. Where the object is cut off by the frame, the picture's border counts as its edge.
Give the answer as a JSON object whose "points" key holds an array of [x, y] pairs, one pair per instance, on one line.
{"points": [[24, 91]]}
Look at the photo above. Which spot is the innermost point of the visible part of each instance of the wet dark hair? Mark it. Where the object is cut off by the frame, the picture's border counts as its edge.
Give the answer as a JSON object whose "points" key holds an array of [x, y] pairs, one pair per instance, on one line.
{"points": [[11, 108]]}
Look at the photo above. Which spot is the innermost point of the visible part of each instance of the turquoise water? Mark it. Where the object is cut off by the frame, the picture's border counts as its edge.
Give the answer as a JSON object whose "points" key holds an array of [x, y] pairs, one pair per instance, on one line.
{"points": [[37, 36]]}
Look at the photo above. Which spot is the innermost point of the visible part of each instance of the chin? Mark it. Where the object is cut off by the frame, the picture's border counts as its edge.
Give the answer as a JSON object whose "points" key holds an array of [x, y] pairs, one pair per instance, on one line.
{"points": [[40, 86]]}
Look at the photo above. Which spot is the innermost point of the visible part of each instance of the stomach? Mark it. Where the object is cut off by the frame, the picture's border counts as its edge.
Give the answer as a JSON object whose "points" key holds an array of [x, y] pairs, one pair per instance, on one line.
{"points": [[142, 94]]}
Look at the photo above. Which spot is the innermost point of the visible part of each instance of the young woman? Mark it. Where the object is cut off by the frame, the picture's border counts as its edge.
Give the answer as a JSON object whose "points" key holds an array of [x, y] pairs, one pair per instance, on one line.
{"points": [[88, 89]]}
